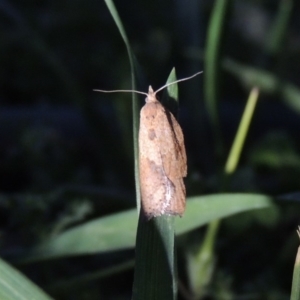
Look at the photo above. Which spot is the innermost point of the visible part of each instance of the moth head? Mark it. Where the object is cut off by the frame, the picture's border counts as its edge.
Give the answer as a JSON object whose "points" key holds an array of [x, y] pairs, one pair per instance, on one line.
{"points": [[151, 95]]}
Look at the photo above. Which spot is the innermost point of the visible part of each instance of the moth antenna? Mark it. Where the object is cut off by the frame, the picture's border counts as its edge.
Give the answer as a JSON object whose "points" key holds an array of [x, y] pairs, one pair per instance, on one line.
{"points": [[183, 79], [142, 93], [121, 91]]}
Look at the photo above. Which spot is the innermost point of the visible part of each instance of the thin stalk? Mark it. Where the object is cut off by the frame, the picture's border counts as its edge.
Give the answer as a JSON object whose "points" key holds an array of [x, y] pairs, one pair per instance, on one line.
{"points": [[239, 141], [135, 107], [295, 294]]}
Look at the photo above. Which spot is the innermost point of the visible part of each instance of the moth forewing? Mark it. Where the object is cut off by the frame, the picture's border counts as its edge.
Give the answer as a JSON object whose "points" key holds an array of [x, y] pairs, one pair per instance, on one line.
{"points": [[162, 160]]}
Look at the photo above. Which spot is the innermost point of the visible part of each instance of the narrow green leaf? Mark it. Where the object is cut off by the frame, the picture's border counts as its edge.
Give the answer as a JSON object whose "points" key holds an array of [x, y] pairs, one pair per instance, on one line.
{"points": [[155, 274], [172, 89], [118, 231], [135, 107], [15, 286], [295, 294], [201, 262], [279, 30], [212, 65], [240, 137], [204, 209], [265, 81]]}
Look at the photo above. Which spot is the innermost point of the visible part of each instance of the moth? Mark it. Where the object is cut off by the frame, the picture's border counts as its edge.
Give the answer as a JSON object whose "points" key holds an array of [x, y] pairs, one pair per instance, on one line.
{"points": [[162, 157], [162, 160]]}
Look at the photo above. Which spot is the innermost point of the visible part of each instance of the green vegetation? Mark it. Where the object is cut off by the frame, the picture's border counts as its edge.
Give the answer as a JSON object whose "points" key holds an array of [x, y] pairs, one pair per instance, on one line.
{"points": [[70, 201]]}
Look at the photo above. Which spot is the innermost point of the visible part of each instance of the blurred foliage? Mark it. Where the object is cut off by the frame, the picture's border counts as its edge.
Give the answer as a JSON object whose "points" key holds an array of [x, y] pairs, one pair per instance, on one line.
{"points": [[66, 152]]}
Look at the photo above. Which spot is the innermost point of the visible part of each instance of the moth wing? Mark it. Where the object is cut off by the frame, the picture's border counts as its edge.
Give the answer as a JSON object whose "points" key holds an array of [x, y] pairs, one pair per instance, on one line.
{"points": [[177, 206], [162, 161], [152, 176], [172, 147], [174, 160]]}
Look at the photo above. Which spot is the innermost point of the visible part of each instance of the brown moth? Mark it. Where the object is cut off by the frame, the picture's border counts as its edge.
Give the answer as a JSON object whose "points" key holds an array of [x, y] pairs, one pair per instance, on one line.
{"points": [[162, 157], [162, 160]]}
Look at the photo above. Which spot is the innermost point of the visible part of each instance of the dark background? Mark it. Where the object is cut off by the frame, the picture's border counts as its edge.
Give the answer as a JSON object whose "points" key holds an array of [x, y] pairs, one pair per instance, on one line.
{"points": [[66, 152]]}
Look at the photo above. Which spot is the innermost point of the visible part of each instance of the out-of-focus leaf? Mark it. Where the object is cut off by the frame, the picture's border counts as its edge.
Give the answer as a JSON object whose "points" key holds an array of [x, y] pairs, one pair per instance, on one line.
{"points": [[118, 231], [15, 286], [265, 81]]}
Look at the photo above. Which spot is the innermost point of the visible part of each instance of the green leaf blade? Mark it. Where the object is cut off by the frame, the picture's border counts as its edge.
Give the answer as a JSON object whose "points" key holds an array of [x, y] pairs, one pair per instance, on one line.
{"points": [[118, 231], [15, 286]]}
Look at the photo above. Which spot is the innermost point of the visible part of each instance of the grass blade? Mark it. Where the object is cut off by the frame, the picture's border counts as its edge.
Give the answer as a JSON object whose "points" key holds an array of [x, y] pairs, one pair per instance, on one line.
{"points": [[295, 295], [109, 233], [201, 263], [279, 29], [243, 129], [266, 81], [212, 67], [154, 275], [135, 108], [15, 286]]}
